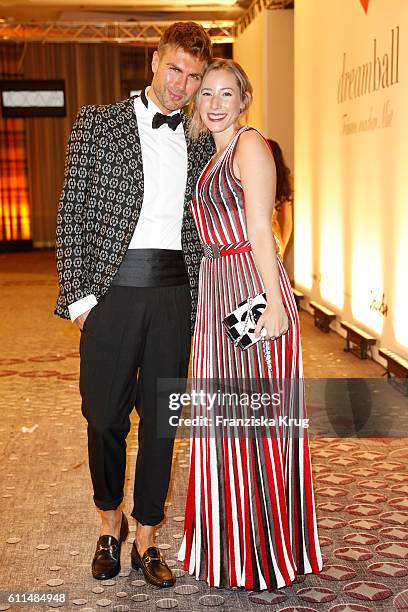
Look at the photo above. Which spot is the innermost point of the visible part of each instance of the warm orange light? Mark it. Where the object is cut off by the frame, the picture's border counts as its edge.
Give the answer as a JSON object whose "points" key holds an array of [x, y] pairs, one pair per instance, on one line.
{"points": [[15, 222], [366, 245], [399, 275], [331, 229], [303, 241], [25, 221]]}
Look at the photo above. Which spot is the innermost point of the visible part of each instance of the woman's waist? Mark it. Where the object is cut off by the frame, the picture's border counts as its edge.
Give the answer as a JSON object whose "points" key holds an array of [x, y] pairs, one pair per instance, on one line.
{"points": [[215, 251]]}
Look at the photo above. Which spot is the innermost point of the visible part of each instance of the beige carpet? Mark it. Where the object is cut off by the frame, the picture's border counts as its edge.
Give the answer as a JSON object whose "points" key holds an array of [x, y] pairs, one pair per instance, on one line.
{"points": [[49, 526]]}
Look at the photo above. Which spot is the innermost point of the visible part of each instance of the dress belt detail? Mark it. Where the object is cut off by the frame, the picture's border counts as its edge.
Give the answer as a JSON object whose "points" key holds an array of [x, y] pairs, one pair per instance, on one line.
{"points": [[214, 251]]}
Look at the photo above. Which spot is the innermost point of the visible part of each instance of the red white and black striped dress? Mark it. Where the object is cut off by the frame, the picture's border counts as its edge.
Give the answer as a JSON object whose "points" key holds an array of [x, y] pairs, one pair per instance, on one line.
{"points": [[250, 517]]}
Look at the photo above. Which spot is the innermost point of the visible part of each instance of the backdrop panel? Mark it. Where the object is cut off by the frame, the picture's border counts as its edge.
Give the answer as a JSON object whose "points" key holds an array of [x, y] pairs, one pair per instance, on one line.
{"points": [[351, 146]]}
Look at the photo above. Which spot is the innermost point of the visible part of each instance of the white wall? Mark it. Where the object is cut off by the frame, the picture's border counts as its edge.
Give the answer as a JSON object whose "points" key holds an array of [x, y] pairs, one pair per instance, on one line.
{"points": [[266, 52], [351, 188], [278, 98], [249, 50]]}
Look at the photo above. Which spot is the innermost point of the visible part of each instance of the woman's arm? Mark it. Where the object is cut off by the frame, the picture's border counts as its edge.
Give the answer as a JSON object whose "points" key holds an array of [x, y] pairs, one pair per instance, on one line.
{"points": [[254, 165]]}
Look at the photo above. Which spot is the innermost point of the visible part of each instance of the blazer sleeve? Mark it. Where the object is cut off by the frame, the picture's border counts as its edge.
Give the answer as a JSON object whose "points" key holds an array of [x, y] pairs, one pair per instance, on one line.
{"points": [[73, 277]]}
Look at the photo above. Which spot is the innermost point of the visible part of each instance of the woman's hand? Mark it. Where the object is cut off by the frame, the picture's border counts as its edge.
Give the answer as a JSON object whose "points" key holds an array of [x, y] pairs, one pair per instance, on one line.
{"points": [[274, 320]]}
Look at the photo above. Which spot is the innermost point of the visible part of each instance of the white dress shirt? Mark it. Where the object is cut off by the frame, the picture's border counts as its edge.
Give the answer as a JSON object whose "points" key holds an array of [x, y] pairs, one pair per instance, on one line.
{"points": [[164, 155]]}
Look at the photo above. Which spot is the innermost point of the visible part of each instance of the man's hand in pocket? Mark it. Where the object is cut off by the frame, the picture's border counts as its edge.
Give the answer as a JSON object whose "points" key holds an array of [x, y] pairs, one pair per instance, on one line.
{"points": [[80, 321]]}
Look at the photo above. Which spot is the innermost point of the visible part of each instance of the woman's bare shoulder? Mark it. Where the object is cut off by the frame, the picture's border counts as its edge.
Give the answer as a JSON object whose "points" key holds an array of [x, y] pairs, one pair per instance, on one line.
{"points": [[252, 149], [251, 142]]}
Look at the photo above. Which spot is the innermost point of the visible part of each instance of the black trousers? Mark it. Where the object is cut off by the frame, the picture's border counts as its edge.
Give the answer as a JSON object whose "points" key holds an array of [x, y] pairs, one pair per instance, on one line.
{"points": [[132, 338]]}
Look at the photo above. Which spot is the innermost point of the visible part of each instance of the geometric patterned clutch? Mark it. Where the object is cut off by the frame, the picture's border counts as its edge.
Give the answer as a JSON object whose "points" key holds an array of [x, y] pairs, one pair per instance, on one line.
{"points": [[240, 323]]}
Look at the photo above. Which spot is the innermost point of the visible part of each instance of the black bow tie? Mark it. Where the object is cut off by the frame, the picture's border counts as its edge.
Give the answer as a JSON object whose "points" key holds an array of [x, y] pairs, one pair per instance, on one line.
{"points": [[172, 120]]}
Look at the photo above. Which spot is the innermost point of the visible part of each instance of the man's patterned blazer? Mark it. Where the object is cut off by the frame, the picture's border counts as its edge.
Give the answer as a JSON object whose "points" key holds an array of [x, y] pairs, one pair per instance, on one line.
{"points": [[102, 198]]}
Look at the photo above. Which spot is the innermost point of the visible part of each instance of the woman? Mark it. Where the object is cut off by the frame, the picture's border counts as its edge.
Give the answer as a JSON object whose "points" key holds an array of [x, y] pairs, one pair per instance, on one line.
{"points": [[250, 519], [282, 216]]}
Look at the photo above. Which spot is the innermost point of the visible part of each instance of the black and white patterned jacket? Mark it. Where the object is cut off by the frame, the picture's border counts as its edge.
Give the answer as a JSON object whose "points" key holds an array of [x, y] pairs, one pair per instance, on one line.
{"points": [[102, 198]]}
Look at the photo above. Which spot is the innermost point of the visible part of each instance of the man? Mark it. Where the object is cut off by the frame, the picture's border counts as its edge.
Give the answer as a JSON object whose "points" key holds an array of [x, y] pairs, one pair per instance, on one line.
{"points": [[128, 257]]}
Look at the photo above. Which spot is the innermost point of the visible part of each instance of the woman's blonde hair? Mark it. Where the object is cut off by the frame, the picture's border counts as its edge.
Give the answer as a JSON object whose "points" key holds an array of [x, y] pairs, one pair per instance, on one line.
{"points": [[197, 126]]}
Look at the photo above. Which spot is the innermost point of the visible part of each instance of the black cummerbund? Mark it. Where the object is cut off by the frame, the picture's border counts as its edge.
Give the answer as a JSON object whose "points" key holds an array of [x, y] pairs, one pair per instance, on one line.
{"points": [[151, 268]]}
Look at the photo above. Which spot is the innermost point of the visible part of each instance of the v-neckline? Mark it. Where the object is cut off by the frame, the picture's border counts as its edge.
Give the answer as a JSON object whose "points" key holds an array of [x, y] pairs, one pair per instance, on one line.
{"points": [[209, 170]]}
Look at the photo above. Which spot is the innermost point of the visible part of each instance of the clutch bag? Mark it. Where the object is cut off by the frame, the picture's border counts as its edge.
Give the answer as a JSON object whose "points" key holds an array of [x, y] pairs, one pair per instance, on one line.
{"points": [[240, 323]]}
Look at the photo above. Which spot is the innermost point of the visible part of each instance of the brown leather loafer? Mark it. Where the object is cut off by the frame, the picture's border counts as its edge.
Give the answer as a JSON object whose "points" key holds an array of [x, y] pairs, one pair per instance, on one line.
{"points": [[106, 561], [154, 568]]}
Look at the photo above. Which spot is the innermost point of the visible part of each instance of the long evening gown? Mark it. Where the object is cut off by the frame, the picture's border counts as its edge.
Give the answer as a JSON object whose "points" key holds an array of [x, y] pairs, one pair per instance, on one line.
{"points": [[250, 517]]}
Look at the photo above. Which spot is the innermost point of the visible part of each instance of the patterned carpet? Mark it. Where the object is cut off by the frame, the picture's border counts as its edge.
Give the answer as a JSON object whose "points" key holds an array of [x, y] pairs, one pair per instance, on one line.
{"points": [[49, 526]]}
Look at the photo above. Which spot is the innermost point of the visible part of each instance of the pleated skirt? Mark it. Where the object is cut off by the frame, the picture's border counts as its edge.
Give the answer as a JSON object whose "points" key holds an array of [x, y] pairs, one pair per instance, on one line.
{"points": [[250, 517]]}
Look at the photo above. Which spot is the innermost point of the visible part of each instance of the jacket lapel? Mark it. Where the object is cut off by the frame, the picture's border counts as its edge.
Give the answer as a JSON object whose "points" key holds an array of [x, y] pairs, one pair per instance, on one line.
{"points": [[190, 161], [133, 144]]}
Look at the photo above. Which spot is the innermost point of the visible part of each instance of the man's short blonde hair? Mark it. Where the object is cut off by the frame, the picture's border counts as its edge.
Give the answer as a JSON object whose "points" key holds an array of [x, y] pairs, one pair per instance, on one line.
{"points": [[189, 36]]}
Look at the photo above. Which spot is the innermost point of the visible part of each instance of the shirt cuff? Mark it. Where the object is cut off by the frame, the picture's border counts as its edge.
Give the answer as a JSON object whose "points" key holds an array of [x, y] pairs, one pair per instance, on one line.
{"points": [[81, 306]]}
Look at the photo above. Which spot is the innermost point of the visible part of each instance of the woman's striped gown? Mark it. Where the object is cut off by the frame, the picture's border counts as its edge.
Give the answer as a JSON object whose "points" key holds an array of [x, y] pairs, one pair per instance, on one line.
{"points": [[250, 517]]}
